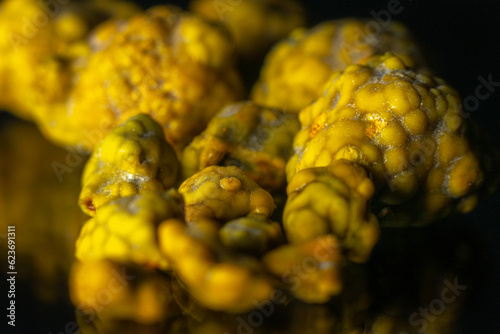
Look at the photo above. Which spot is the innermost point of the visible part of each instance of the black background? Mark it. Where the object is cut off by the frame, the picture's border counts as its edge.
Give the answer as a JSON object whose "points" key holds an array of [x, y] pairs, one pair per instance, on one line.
{"points": [[461, 42]]}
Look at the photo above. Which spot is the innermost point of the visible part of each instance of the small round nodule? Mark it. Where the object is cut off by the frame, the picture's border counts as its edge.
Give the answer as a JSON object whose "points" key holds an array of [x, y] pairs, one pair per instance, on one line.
{"points": [[230, 183]]}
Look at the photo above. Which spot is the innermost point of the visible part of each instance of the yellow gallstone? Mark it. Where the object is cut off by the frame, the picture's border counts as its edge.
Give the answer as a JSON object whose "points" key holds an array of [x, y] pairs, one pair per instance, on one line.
{"points": [[332, 200], [207, 197], [395, 160], [370, 98], [132, 159], [349, 153], [395, 64], [297, 69], [392, 135], [371, 154], [405, 128], [124, 230], [114, 247], [360, 76], [441, 104], [450, 147], [377, 123], [464, 174], [345, 113], [421, 155], [337, 135], [415, 122], [401, 97], [427, 99], [230, 183], [169, 64], [258, 140], [435, 180], [38, 67], [215, 277]]}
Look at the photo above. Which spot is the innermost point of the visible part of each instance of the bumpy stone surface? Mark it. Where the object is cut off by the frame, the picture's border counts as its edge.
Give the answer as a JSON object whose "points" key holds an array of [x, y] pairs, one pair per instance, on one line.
{"points": [[132, 159], [297, 69], [406, 129], [332, 199], [214, 276], [257, 140], [124, 230], [223, 193], [162, 62]]}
